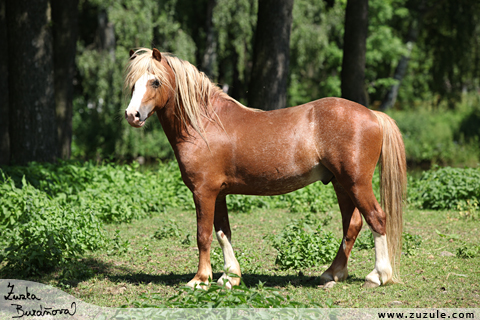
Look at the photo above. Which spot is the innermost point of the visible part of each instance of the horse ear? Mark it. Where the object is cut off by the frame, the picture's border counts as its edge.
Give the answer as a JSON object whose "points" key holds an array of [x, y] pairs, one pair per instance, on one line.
{"points": [[156, 54], [132, 54]]}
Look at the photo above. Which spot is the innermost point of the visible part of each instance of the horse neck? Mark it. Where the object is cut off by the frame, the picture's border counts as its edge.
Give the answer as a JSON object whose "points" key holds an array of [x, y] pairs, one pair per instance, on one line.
{"points": [[221, 111], [175, 129], [171, 123]]}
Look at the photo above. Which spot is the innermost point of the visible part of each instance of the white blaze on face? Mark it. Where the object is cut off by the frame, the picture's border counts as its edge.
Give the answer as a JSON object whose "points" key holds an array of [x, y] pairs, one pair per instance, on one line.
{"points": [[139, 91]]}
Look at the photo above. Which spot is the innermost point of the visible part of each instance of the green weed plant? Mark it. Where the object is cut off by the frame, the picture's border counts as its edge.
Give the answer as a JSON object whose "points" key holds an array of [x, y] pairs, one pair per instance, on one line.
{"points": [[118, 246], [303, 243], [467, 251], [218, 296], [168, 229], [411, 244]]}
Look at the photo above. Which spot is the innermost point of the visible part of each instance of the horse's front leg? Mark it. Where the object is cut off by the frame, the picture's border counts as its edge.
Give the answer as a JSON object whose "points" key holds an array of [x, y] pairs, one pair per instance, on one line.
{"points": [[205, 207], [224, 237]]}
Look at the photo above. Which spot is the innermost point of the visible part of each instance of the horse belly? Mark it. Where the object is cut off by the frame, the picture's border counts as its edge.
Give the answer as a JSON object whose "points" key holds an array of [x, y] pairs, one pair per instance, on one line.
{"points": [[282, 180]]}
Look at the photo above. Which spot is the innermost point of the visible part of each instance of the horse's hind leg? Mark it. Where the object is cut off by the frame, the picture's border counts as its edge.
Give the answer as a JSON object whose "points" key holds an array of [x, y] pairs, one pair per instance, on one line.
{"points": [[364, 199], [352, 224], [224, 235]]}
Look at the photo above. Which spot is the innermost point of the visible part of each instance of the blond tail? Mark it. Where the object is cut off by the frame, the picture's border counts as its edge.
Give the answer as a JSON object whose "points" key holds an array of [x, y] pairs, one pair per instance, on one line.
{"points": [[393, 187]]}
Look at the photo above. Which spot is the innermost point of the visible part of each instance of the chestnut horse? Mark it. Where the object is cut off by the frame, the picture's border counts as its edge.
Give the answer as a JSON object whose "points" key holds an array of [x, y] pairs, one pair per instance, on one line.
{"points": [[223, 147]]}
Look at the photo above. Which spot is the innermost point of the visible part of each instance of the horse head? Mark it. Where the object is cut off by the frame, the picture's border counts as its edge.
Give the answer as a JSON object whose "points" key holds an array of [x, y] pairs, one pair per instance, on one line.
{"points": [[147, 79]]}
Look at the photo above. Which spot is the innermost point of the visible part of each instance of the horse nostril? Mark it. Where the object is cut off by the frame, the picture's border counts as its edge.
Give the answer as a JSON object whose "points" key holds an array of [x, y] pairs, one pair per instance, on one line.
{"points": [[126, 115], [137, 115]]}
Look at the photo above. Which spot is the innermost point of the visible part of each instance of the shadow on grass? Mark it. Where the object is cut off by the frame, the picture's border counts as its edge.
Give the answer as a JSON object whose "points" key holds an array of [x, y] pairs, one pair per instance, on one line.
{"points": [[71, 273], [250, 280], [88, 268]]}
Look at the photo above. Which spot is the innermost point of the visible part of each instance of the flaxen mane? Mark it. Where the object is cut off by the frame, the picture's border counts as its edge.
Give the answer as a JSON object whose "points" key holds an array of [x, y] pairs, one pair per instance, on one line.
{"points": [[193, 91]]}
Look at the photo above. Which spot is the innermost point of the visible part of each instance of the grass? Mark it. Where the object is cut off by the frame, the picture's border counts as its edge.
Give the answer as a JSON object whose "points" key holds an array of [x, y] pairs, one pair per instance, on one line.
{"points": [[139, 268], [145, 247]]}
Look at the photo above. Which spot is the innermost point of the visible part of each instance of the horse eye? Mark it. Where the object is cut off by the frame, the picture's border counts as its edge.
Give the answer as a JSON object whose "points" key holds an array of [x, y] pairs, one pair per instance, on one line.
{"points": [[156, 83]]}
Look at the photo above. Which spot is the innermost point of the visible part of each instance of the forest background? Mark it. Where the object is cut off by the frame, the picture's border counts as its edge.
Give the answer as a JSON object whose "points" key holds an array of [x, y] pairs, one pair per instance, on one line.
{"points": [[422, 62]]}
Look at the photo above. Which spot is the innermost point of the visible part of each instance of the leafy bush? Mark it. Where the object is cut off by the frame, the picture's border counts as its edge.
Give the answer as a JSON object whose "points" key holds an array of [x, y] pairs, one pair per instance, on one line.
{"points": [[433, 137], [314, 198], [116, 193], [304, 244], [447, 188], [121, 193], [36, 234], [242, 203], [54, 179]]}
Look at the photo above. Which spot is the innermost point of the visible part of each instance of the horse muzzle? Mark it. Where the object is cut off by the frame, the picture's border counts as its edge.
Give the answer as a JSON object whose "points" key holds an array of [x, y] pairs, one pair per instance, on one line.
{"points": [[134, 119]]}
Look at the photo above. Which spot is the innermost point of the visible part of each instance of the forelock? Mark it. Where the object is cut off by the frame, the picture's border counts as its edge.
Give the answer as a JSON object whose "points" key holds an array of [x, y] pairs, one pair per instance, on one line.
{"points": [[140, 64]]}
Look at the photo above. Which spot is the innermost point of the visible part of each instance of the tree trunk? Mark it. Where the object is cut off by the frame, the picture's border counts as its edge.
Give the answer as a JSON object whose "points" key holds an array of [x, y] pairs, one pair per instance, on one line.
{"points": [[354, 49], [209, 56], [105, 38], [65, 29], [391, 96], [237, 89], [268, 81], [33, 135], [4, 136]]}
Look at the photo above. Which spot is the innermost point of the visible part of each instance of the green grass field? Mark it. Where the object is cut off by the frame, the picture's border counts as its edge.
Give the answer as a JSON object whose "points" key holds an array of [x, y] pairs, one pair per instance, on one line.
{"points": [[106, 246], [144, 270]]}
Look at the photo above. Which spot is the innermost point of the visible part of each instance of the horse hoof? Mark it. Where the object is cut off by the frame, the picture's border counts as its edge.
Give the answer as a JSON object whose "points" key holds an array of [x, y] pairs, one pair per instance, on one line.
{"points": [[224, 282], [337, 276], [197, 284], [329, 285], [326, 278], [370, 284], [228, 282]]}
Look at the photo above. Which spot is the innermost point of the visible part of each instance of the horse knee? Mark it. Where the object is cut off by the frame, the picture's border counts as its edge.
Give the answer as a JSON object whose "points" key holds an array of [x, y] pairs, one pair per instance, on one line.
{"points": [[204, 240]]}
